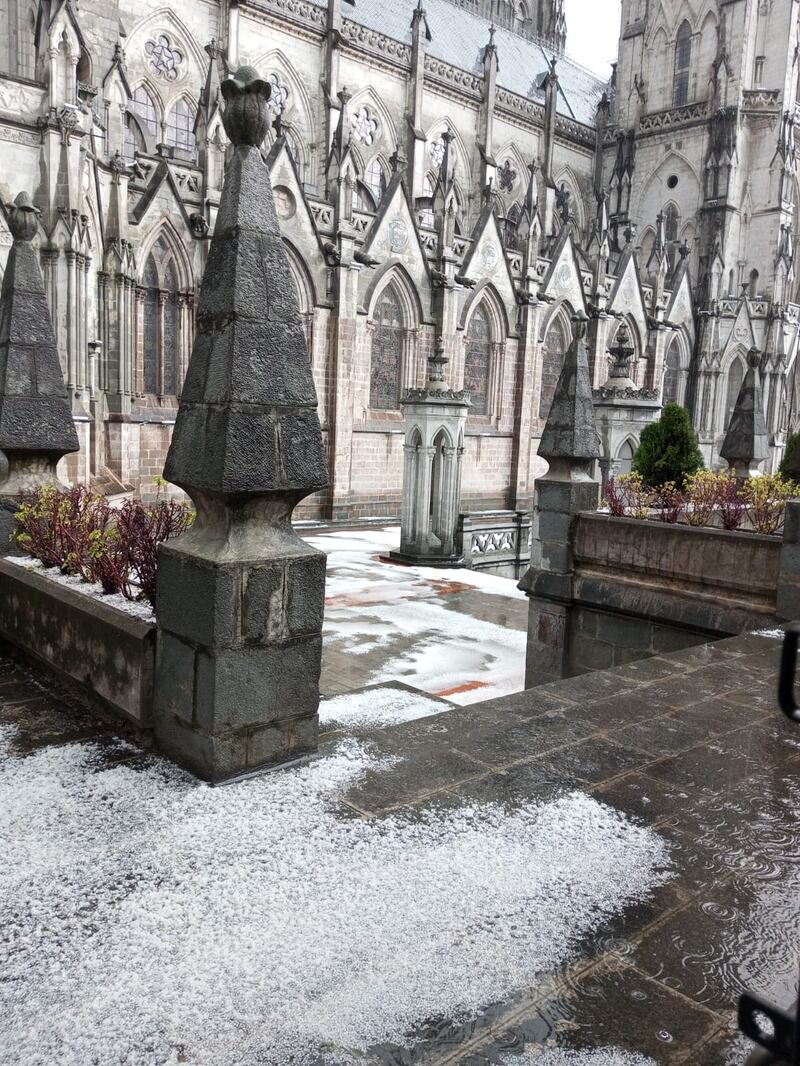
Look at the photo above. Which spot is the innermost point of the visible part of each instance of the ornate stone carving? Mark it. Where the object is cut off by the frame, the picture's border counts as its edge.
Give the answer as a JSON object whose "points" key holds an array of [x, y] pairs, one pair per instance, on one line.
{"points": [[507, 177], [165, 59], [279, 97], [365, 127], [398, 235]]}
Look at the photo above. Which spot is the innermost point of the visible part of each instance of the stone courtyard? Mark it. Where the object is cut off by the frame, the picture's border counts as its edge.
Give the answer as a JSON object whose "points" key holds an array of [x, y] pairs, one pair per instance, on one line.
{"points": [[587, 872]]}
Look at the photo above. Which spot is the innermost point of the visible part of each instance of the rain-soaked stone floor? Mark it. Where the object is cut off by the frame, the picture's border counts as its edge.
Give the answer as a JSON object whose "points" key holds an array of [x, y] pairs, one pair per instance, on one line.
{"points": [[690, 745], [455, 634]]}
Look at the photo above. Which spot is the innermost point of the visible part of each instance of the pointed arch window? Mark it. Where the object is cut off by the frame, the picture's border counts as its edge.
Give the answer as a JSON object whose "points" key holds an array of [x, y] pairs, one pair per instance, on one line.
{"points": [[165, 332], [375, 180], [426, 207], [510, 227], [735, 379], [387, 353], [672, 390], [477, 361], [180, 126], [683, 64], [556, 341], [144, 108]]}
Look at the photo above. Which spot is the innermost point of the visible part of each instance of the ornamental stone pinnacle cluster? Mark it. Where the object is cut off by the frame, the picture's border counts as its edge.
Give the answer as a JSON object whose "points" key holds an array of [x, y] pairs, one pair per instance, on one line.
{"points": [[36, 426], [241, 596]]}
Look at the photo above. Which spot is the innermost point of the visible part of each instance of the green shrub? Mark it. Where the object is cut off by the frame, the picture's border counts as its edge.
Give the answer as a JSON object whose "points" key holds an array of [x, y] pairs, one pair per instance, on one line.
{"points": [[791, 443], [668, 450]]}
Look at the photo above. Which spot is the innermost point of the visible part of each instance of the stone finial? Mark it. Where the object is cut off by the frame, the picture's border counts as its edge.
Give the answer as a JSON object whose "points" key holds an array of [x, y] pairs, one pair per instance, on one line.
{"points": [[23, 217], [247, 423], [246, 114], [746, 443], [570, 431]]}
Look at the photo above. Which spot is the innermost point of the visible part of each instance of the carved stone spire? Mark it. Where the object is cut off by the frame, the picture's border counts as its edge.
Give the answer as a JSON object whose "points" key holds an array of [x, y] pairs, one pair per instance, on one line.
{"points": [[36, 426], [746, 443], [570, 431], [240, 597]]}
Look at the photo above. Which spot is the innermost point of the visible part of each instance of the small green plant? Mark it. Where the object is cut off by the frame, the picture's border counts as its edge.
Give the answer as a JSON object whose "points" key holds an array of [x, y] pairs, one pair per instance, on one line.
{"points": [[668, 451], [765, 499], [670, 502], [702, 492]]}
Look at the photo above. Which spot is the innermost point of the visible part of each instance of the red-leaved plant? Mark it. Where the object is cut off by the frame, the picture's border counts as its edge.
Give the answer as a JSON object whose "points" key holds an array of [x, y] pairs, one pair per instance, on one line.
{"points": [[80, 533]]}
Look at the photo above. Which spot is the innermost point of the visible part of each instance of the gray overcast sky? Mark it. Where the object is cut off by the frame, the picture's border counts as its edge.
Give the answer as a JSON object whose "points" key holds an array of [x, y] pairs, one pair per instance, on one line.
{"points": [[592, 33]]}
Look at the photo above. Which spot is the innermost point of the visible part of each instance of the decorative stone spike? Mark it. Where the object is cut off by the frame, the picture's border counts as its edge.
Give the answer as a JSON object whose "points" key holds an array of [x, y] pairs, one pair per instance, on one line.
{"points": [[570, 431], [570, 444], [36, 427], [746, 443], [240, 596]]}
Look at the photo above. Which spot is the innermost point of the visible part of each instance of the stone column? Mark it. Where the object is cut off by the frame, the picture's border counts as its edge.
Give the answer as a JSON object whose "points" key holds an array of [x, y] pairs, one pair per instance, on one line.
{"points": [[36, 426], [746, 443], [570, 444], [240, 596]]}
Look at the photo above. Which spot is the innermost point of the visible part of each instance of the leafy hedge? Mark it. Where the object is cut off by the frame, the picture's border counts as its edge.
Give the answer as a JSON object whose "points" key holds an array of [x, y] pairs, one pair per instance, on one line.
{"points": [[80, 533], [761, 501]]}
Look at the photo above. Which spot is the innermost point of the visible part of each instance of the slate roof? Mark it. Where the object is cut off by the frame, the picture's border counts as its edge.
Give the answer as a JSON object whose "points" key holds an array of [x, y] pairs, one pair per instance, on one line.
{"points": [[459, 38]]}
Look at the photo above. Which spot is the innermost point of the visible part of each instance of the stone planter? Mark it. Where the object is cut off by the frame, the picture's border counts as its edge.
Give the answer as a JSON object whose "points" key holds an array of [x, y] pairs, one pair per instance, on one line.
{"points": [[108, 654]]}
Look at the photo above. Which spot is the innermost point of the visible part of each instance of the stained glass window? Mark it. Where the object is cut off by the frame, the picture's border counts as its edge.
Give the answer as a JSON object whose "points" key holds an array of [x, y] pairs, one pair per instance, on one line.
{"points": [[426, 214], [387, 351], [510, 238], [180, 126], [160, 334], [555, 346], [477, 360], [152, 327], [375, 180], [672, 377], [683, 63], [145, 110]]}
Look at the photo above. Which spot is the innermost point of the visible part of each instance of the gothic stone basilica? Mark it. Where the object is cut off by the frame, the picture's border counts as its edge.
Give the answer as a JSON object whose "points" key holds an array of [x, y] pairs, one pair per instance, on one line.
{"points": [[446, 177]]}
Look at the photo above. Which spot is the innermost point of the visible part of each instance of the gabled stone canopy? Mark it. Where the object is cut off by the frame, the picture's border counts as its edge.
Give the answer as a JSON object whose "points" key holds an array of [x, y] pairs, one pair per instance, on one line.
{"points": [[35, 414]]}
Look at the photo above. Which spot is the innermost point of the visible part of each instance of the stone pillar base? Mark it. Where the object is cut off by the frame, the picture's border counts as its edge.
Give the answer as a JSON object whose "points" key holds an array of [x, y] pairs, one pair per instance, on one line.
{"points": [[788, 601], [548, 636], [238, 659]]}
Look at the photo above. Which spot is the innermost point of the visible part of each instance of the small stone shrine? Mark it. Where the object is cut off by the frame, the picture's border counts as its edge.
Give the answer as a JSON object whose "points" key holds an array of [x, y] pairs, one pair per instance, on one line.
{"points": [[570, 444], [435, 418], [36, 426], [241, 596], [622, 410], [746, 443]]}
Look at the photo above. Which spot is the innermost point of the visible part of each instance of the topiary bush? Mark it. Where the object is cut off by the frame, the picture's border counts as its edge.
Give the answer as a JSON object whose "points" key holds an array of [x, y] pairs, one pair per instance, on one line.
{"points": [[669, 451], [791, 444]]}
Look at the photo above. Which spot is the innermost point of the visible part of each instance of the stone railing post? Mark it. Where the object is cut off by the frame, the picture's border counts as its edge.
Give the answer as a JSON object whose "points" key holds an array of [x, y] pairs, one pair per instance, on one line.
{"points": [[36, 426], [240, 596], [570, 444]]}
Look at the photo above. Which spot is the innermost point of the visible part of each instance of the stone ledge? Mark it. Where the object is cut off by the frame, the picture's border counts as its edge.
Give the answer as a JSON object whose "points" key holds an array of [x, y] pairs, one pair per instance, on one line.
{"points": [[109, 655]]}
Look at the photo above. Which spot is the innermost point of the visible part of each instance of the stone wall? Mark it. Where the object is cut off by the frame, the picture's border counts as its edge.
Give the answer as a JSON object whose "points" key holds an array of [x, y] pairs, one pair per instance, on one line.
{"points": [[107, 654], [641, 588]]}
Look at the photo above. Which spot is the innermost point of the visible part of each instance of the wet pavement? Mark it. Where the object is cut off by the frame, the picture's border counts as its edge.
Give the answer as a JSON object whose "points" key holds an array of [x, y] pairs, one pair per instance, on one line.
{"points": [[690, 745], [451, 633]]}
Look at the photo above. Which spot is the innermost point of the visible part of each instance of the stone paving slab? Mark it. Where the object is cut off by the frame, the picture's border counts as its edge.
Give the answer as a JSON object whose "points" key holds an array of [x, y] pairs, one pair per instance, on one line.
{"points": [[690, 745]]}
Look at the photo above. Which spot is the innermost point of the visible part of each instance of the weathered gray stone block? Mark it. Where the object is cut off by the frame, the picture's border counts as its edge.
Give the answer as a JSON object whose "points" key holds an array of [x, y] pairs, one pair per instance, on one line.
{"points": [[240, 687]]}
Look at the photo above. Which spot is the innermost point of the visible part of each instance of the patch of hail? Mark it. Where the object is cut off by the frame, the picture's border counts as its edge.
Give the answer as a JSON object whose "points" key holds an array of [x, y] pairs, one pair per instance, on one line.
{"points": [[148, 919], [376, 707], [604, 1056]]}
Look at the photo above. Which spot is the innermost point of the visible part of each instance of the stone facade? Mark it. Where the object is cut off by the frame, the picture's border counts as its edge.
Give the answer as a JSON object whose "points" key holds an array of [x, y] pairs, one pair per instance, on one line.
{"points": [[438, 181]]}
